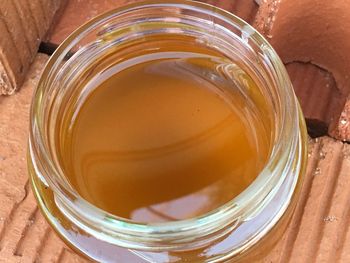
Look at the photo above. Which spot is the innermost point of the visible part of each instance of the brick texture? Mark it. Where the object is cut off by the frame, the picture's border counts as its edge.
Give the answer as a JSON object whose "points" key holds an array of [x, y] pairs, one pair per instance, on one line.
{"points": [[23, 24], [24, 234]]}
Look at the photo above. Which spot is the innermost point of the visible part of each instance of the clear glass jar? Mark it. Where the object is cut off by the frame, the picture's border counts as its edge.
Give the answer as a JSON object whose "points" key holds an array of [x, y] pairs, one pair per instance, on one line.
{"points": [[246, 227]]}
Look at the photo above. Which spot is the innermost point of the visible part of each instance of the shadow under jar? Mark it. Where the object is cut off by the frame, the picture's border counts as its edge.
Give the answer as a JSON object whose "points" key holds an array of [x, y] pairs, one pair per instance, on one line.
{"points": [[166, 131]]}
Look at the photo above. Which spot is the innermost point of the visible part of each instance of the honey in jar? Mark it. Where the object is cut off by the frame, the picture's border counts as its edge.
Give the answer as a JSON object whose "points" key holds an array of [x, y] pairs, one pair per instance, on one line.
{"points": [[167, 131], [163, 135]]}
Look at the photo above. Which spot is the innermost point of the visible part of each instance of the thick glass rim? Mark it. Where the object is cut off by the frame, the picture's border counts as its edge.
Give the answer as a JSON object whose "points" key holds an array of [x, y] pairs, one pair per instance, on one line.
{"points": [[224, 215]]}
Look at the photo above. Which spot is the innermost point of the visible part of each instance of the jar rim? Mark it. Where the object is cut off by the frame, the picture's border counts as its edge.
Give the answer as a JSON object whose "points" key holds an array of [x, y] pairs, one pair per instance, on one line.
{"points": [[224, 214]]}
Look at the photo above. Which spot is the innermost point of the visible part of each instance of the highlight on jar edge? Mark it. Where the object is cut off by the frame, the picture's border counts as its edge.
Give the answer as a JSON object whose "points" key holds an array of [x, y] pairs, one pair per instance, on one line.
{"points": [[166, 131]]}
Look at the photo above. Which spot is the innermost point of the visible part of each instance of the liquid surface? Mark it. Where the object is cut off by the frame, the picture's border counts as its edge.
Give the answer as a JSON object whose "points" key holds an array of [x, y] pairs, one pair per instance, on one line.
{"points": [[166, 136]]}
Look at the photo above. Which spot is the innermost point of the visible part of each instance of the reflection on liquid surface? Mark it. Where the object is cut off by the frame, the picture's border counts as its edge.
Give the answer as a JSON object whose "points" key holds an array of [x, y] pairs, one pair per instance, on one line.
{"points": [[167, 139]]}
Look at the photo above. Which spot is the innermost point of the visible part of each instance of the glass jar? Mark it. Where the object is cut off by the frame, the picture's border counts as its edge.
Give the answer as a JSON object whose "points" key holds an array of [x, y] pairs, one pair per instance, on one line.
{"points": [[246, 227]]}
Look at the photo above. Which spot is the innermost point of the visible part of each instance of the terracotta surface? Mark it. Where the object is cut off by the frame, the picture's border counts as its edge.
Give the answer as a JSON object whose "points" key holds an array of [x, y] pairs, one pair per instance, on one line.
{"points": [[320, 229], [320, 35], [23, 24], [24, 234], [319, 97], [342, 130]]}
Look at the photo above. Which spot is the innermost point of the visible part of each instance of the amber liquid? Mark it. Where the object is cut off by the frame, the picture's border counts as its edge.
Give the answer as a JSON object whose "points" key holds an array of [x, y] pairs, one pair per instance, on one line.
{"points": [[163, 136]]}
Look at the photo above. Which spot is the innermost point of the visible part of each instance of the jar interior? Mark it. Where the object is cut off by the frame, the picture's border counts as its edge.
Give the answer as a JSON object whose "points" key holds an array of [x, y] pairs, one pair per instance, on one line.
{"points": [[162, 128]]}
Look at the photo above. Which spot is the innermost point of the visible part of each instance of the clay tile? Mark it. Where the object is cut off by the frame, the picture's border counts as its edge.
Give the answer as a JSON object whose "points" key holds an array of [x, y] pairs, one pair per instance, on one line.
{"points": [[312, 31]]}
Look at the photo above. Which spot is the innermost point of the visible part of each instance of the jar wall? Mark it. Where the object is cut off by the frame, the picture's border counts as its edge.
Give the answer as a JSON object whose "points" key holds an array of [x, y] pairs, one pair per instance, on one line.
{"points": [[256, 222]]}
